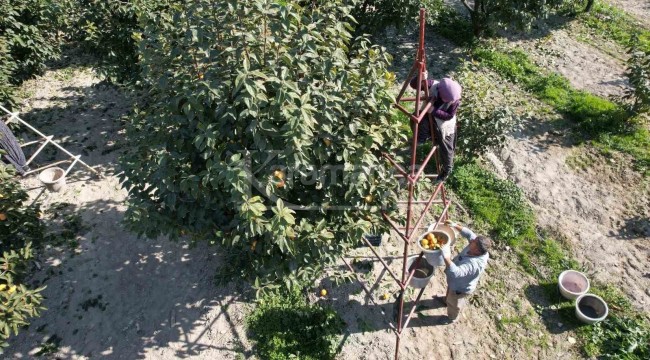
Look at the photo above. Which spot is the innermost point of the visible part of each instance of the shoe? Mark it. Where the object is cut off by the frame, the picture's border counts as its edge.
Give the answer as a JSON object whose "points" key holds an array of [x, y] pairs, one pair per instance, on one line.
{"points": [[442, 177]]}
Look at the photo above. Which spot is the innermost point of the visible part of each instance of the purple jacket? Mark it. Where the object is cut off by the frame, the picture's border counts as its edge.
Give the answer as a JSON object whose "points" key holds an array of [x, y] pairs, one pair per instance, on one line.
{"points": [[437, 103]]}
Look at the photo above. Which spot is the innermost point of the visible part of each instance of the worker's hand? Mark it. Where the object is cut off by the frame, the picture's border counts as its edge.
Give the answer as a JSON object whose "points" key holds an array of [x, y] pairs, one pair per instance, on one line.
{"points": [[452, 224], [446, 252]]}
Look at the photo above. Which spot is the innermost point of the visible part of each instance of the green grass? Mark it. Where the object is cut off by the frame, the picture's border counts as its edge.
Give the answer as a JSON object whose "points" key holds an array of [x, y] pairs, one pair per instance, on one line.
{"points": [[285, 326], [607, 125], [615, 24], [499, 206]]}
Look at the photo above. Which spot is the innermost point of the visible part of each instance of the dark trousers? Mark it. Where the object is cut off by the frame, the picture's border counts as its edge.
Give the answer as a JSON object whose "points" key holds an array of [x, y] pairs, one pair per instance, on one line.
{"points": [[446, 146]]}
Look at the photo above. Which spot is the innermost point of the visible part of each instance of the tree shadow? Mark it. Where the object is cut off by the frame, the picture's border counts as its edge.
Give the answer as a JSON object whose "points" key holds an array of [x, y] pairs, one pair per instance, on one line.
{"points": [[556, 312], [442, 56], [363, 314], [85, 120], [635, 227], [73, 56], [540, 28], [118, 296]]}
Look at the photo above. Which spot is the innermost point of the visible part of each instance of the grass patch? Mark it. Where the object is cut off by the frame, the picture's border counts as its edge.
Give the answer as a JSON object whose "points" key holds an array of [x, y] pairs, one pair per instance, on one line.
{"points": [[495, 204], [285, 326], [499, 206], [603, 122], [607, 125], [612, 23], [594, 114]]}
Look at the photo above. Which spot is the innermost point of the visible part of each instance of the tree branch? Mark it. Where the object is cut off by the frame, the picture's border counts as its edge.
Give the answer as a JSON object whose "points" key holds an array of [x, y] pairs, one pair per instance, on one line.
{"points": [[467, 5]]}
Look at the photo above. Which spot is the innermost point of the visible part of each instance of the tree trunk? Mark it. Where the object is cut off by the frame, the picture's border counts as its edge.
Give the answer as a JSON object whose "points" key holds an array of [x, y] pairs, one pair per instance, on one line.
{"points": [[477, 18], [477, 26], [590, 4]]}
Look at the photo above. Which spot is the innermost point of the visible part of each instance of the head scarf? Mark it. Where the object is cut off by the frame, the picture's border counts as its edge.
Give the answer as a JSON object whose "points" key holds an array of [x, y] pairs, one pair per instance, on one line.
{"points": [[449, 90]]}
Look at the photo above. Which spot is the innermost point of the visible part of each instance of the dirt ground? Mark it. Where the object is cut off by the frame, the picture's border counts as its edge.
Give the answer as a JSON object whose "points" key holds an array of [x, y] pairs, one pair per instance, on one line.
{"points": [[595, 201], [119, 297], [112, 295], [638, 8]]}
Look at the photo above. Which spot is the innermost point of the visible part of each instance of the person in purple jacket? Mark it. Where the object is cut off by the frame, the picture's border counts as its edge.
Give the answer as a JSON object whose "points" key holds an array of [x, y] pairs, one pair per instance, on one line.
{"points": [[446, 95]]}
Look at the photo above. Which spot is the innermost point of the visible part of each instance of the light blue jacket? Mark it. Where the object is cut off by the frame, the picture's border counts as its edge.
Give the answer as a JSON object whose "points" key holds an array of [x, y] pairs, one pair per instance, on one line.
{"points": [[464, 272]]}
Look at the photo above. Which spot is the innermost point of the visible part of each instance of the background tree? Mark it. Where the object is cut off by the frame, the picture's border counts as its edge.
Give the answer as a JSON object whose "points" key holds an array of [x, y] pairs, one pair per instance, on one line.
{"points": [[638, 74], [375, 15], [105, 29], [522, 13], [19, 227], [28, 38], [253, 106]]}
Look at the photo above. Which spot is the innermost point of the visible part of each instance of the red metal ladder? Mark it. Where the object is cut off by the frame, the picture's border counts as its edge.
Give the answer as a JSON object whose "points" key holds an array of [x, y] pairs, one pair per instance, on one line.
{"points": [[415, 173]]}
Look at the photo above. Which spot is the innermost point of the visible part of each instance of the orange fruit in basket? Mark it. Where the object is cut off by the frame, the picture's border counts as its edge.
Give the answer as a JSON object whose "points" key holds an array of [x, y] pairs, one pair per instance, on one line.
{"points": [[424, 242], [279, 174], [430, 237]]}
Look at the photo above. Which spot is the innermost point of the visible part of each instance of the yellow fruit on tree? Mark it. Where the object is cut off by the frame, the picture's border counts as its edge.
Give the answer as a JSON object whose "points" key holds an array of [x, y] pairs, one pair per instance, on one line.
{"points": [[368, 199], [3, 287], [254, 245], [323, 292], [279, 174], [327, 141], [3, 216], [12, 289]]}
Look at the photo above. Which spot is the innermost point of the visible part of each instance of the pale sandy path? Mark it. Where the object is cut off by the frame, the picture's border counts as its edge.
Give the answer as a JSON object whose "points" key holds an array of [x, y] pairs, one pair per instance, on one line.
{"points": [[120, 297]]}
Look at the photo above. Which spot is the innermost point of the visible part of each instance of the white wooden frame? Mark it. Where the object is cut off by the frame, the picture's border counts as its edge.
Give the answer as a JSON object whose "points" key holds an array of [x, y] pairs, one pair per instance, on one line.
{"points": [[44, 141]]}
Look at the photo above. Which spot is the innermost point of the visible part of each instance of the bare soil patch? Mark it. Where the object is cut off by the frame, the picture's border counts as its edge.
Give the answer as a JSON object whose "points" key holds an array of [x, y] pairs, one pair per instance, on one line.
{"points": [[591, 69], [640, 9], [116, 296], [599, 204]]}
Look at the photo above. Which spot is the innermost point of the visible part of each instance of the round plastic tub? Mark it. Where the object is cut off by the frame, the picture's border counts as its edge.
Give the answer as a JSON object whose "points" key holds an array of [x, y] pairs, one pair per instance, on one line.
{"points": [[434, 257], [591, 309], [422, 275], [572, 284], [53, 178]]}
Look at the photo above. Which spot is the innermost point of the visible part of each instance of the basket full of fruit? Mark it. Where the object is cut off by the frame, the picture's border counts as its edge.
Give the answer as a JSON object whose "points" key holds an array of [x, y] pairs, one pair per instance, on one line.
{"points": [[431, 242]]}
